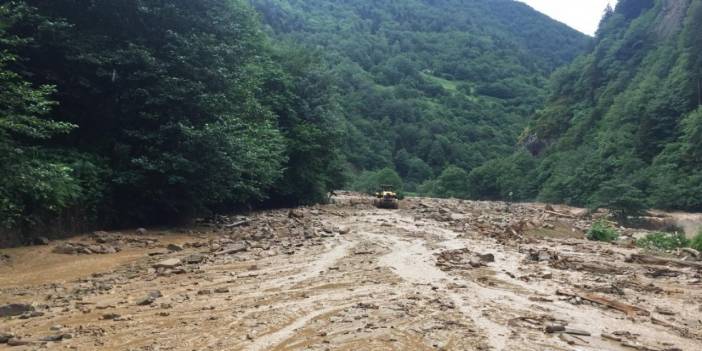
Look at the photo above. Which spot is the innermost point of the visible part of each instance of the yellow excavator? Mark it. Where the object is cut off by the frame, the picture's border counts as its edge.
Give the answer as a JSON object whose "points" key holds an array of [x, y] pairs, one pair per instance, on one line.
{"points": [[386, 198]]}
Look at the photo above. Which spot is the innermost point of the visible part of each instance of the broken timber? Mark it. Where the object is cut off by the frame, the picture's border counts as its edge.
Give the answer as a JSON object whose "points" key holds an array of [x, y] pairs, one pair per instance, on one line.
{"points": [[629, 310], [661, 261]]}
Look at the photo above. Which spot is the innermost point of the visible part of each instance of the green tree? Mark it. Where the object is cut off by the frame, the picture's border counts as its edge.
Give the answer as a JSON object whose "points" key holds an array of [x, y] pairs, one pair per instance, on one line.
{"points": [[34, 185], [371, 181], [167, 94], [621, 198], [620, 127], [303, 98], [428, 83], [452, 182]]}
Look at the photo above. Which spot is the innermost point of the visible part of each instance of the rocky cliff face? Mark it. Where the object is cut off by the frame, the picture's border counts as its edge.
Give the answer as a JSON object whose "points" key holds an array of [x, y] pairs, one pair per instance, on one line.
{"points": [[627, 114]]}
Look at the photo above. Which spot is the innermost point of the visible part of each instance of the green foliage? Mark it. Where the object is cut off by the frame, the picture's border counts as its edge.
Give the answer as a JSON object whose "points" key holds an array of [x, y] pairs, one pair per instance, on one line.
{"points": [[428, 84], [696, 242], [34, 185], [602, 231], [371, 181], [153, 112], [663, 241], [302, 96], [510, 178], [620, 129], [451, 183], [622, 199]]}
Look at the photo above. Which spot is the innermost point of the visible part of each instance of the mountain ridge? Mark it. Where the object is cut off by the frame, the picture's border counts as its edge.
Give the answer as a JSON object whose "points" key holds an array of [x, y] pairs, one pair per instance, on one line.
{"points": [[429, 84], [621, 126]]}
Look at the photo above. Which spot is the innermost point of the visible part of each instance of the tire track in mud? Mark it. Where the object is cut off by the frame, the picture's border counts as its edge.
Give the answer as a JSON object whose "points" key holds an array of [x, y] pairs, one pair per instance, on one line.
{"points": [[319, 304], [276, 338], [313, 269], [412, 261]]}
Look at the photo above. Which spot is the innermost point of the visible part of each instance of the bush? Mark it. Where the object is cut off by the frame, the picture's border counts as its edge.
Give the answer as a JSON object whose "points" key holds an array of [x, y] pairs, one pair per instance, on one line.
{"points": [[370, 182], [602, 231], [453, 182], [663, 241], [696, 242]]}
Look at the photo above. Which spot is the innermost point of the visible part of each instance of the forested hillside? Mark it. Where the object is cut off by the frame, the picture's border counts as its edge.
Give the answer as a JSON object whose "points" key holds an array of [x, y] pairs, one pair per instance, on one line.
{"points": [[117, 113], [622, 127], [427, 87]]}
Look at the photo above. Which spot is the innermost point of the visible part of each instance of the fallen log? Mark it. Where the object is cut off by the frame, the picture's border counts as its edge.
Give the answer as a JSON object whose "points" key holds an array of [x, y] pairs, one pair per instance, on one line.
{"points": [[662, 261], [566, 263], [551, 329], [560, 214], [629, 310], [237, 224]]}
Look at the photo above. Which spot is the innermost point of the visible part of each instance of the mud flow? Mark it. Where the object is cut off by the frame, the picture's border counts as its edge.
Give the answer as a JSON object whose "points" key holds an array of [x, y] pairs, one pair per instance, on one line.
{"points": [[433, 275]]}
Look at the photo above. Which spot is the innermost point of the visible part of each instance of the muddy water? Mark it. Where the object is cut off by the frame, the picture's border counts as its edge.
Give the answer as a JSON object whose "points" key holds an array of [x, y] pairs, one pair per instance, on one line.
{"points": [[377, 287]]}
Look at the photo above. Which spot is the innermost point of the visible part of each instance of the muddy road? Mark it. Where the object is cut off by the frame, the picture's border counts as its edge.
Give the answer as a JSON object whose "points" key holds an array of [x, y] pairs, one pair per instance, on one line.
{"points": [[434, 275]]}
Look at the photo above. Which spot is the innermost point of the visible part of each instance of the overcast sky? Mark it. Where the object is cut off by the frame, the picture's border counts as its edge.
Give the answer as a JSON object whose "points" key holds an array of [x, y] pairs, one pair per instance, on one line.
{"points": [[583, 15]]}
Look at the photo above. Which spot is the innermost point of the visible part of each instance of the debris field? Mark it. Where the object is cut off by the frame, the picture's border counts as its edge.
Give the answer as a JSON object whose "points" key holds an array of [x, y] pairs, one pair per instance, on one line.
{"points": [[433, 275]]}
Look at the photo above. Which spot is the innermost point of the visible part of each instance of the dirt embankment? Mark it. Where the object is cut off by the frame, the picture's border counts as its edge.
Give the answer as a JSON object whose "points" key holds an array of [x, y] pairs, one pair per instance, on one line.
{"points": [[436, 274]]}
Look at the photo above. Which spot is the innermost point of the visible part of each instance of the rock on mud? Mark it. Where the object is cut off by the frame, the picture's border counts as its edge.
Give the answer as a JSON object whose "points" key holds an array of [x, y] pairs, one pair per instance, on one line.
{"points": [[15, 309], [463, 258], [540, 255], [57, 337], [19, 342], [149, 298], [174, 248], [41, 240], [691, 253], [79, 248], [194, 259], [233, 248], [5, 337], [110, 316], [168, 264]]}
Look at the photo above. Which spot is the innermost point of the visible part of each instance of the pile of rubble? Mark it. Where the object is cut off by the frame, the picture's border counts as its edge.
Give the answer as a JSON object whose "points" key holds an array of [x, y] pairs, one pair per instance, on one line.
{"points": [[462, 259], [102, 243], [519, 275], [85, 249]]}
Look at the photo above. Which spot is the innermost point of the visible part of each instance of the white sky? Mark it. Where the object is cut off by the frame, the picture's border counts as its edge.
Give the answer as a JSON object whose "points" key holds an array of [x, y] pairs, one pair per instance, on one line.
{"points": [[583, 15]]}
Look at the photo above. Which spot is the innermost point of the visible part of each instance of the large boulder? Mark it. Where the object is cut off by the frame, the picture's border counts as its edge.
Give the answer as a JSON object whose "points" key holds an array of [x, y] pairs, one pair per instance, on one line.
{"points": [[195, 259], [66, 249], [149, 298], [41, 240], [5, 337], [15, 309]]}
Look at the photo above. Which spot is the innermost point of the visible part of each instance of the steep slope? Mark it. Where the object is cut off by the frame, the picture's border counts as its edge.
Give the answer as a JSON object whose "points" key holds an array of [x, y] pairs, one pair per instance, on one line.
{"points": [[622, 126], [428, 84]]}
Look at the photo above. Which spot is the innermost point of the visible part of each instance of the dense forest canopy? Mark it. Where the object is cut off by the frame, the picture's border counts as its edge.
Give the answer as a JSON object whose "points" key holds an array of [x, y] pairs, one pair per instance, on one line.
{"points": [[142, 111], [621, 127], [428, 85], [118, 113]]}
